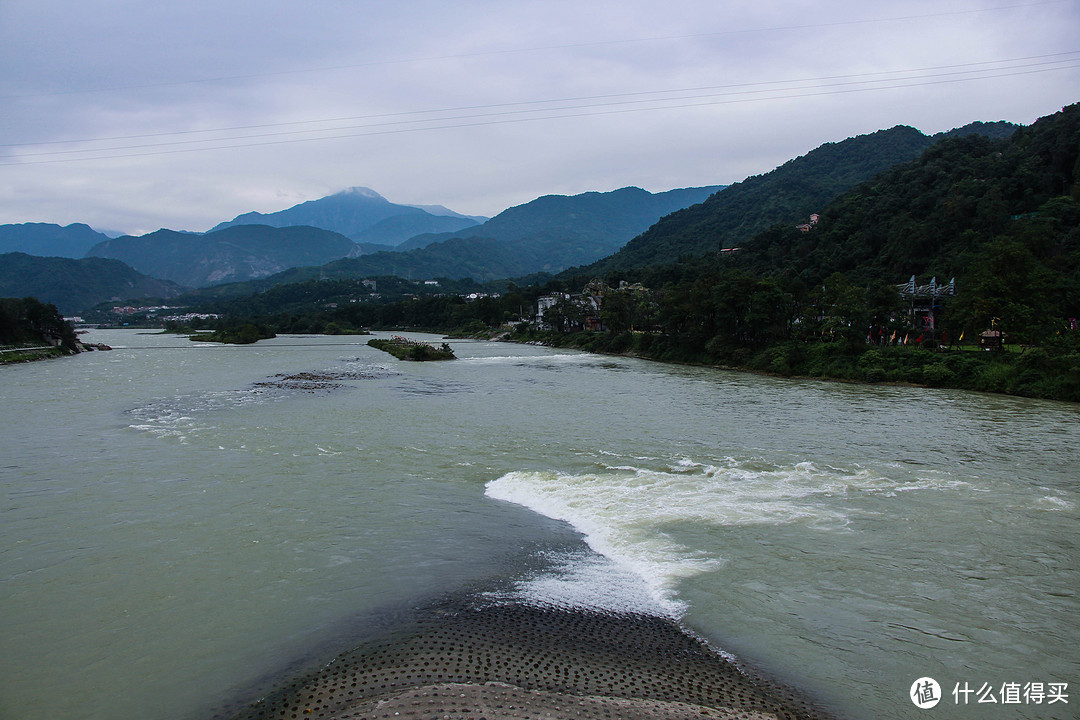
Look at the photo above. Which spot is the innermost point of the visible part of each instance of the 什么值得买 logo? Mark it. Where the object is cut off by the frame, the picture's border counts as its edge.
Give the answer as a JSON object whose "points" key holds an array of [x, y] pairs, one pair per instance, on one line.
{"points": [[925, 693]]}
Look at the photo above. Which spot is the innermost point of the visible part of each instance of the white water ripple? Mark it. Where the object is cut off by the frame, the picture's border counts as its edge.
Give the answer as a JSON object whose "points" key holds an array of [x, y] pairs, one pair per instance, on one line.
{"points": [[629, 514]]}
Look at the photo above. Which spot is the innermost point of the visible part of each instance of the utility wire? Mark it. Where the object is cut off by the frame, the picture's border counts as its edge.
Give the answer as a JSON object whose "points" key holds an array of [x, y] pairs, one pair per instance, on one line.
{"points": [[1064, 57], [544, 48], [567, 111]]}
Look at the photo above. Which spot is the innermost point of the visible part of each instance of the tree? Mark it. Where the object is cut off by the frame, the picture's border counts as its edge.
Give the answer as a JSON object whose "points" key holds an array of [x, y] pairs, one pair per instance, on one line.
{"points": [[30, 321], [565, 314], [842, 313], [1008, 287]]}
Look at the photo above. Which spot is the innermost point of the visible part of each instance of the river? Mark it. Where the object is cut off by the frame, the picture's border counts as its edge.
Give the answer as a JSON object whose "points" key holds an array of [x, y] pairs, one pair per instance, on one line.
{"points": [[181, 521]]}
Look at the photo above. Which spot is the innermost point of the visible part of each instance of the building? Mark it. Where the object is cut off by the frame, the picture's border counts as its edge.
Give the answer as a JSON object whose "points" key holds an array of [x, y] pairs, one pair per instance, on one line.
{"points": [[924, 301], [545, 303]]}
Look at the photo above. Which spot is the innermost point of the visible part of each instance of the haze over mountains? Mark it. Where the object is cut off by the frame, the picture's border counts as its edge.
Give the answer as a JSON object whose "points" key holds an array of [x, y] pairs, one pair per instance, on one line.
{"points": [[75, 285], [548, 234], [363, 215], [335, 237], [49, 240], [235, 253]]}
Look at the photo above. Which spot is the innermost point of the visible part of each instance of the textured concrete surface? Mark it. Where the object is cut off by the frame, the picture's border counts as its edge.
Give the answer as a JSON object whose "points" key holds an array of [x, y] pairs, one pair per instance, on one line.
{"points": [[517, 661]]}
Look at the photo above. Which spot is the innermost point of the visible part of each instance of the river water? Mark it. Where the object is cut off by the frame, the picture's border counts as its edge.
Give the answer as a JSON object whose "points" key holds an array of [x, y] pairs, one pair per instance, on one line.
{"points": [[182, 521]]}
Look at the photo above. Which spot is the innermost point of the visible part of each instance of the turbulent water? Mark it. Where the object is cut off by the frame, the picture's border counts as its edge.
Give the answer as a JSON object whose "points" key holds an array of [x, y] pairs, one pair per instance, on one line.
{"points": [[181, 522]]}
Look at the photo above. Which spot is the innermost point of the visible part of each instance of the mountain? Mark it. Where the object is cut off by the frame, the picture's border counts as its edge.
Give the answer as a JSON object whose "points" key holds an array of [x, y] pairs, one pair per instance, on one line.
{"points": [[48, 239], [548, 234], [994, 130], [849, 296], [788, 194], [236, 253], [443, 211], [600, 221], [396, 229], [948, 213], [481, 259], [355, 212], [76, 285]]}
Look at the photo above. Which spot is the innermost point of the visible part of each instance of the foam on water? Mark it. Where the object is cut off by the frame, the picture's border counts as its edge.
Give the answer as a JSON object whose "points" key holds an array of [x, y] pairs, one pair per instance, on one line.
{"points": [[179, 416], [585, 580], [628, 513], [549, 361]]}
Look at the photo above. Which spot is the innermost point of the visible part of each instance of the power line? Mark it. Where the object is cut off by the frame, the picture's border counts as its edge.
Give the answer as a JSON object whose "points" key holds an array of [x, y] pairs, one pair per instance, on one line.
{"points": [[493, 106], [543, 48], [571, 111]]}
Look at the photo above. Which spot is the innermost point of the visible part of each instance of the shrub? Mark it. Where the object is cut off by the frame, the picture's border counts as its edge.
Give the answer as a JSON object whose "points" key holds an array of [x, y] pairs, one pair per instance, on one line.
{"points": [[620, 343], [874, 373], [993, 378], [937, 375]]}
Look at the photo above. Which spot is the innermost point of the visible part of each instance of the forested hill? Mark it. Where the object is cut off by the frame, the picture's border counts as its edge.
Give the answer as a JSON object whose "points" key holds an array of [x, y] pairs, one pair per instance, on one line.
{"points": [[48, 239], [1001, 216], [598, 222], [788, 194], [938, 215], [547, 235], [236, 253], [75, 285]]}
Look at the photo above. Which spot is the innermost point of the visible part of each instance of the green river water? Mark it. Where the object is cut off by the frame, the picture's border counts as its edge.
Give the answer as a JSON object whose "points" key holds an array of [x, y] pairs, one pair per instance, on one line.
{"points": [[180, 521]]}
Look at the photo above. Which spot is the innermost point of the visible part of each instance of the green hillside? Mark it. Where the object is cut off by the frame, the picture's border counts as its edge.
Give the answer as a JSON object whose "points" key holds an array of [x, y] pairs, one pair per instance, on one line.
{"points": [[596, 223], [1000, 216], [788, 194], [75, 285], [49, 239], [235, 253], [546, 235]]}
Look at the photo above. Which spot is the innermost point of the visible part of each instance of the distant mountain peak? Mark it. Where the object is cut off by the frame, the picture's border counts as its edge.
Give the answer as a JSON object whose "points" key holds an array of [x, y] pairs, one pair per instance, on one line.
{"points": [[351, 212], [363, 192], [49, 239]]}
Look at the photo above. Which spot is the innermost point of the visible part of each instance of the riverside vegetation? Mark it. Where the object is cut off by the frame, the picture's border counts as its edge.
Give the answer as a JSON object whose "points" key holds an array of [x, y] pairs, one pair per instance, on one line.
{"points": [[236, 334], [406, 349], [32, 330]]}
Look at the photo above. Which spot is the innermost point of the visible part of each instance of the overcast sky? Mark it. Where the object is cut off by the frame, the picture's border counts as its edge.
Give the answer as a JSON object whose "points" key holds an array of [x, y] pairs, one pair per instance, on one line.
{"points": [[130, 115]]}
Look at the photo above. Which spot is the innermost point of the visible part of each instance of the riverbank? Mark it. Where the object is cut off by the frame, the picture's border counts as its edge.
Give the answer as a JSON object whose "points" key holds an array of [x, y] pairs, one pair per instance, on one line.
{"points": [[471, 658], [1029, 372], [10, 356], [45, 352]]}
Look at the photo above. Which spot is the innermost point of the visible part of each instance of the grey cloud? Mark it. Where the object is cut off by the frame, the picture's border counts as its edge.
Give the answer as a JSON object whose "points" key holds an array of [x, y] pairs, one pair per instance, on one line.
{"points": [[170, 73]]}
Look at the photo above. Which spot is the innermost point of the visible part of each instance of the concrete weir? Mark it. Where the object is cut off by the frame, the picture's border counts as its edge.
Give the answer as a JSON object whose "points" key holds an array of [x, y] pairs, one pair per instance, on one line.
{"points": [[522, 661]]}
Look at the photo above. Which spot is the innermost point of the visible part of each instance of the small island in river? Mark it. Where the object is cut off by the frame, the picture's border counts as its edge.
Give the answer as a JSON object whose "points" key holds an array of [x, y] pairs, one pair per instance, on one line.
{"points": [[406, 349], [246, 334]]}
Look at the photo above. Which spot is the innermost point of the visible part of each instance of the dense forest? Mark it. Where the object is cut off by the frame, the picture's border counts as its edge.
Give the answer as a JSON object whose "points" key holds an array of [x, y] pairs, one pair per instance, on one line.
{"points": [[788, 194], [1000, 216], [28, 322], [73, 285]]}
